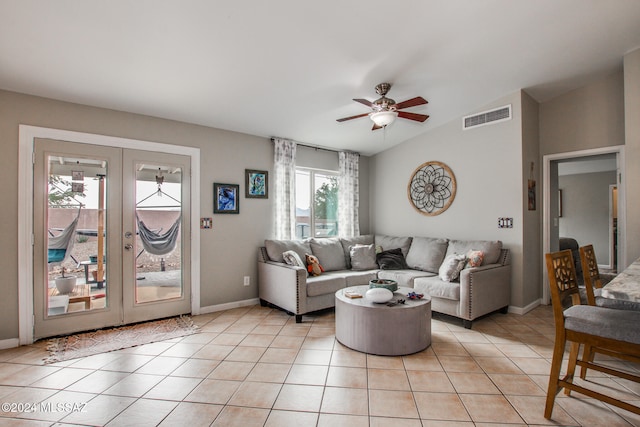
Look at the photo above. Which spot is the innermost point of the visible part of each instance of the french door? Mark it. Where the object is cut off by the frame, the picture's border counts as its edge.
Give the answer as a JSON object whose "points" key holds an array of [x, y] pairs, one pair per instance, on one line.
{"points": [[111, 236]]}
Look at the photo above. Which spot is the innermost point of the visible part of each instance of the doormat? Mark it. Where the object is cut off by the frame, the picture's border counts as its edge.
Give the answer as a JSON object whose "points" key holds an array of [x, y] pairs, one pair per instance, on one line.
{"points": [[106, 340]]}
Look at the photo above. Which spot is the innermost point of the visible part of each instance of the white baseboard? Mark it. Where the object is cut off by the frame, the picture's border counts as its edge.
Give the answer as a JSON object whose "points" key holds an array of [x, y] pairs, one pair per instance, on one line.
{"points": [[526, 309], [10, 343], [229, 305]]}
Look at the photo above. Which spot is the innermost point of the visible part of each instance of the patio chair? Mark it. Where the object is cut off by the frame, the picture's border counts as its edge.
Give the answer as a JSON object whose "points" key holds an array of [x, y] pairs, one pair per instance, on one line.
{"points": [[615, 331]]}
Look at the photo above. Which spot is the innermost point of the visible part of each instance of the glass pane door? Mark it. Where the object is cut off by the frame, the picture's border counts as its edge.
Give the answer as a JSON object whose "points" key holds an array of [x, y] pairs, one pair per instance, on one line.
{"points": [[73, 244], [156, 220], [109, 236], [158, 243]]}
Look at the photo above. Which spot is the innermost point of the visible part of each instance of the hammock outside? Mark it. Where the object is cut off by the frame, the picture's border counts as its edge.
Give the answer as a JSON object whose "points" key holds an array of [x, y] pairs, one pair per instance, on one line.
{"points": [[59, 247], [158, 243]]}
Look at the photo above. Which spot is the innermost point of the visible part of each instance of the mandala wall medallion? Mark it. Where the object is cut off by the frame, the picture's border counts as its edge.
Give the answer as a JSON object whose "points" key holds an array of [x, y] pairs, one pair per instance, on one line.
{"points": [[432, 188]]}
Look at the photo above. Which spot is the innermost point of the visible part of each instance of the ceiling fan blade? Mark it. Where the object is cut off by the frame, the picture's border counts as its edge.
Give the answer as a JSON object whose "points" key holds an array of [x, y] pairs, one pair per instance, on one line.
{"points": [[376, 127], [413, 116], [344, 119], [364, 101], [418, 100]]}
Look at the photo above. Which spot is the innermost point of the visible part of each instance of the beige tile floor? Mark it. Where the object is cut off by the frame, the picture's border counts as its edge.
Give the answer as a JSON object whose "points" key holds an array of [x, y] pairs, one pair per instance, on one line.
{"points": [[255, 366]]}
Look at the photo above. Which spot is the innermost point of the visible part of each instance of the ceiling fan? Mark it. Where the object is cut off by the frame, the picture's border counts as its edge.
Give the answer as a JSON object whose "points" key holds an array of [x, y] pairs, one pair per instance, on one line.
{"points": [[385, 110]]}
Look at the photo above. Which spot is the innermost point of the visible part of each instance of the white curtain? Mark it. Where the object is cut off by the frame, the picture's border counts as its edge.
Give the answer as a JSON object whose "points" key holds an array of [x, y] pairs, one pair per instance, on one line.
{"points": [[284, 171], [348, 195]]}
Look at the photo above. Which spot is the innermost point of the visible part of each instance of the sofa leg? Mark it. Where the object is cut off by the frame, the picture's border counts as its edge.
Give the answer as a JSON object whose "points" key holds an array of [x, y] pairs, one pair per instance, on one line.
{"points": [[505, 309], [466, 323], [298, 318], [263, 303]]}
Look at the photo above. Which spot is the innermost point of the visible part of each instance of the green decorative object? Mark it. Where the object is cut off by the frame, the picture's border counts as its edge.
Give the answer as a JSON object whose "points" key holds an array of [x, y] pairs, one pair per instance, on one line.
{"points": [[391, 285]]}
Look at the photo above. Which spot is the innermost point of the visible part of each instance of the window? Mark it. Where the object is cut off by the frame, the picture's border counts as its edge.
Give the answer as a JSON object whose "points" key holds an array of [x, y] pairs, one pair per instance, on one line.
{"points": [[316, 203]]}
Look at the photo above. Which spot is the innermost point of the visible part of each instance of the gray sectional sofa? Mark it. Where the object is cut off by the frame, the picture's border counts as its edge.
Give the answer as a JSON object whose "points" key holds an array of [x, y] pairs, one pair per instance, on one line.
{"points": [[476, 291]]}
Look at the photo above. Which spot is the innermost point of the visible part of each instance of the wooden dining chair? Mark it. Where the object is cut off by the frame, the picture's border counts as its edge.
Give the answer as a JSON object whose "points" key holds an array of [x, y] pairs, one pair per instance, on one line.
{"points": [[590, 273], [593, 288], [615, 331]]}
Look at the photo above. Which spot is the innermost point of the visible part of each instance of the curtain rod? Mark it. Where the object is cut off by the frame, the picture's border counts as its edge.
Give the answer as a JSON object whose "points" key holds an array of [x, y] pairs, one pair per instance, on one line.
{"points": [[316, 147]]}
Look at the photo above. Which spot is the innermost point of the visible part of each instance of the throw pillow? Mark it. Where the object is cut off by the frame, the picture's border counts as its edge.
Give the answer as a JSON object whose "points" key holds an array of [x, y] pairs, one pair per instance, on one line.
{"points": [[313, 265], [391, 259], [451, 266], [474, 258], [363, 257], [292, 258]]}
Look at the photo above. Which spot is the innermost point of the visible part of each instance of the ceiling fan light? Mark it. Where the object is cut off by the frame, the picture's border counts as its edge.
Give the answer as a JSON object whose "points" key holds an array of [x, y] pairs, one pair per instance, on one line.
{"points": [[384, 118]]}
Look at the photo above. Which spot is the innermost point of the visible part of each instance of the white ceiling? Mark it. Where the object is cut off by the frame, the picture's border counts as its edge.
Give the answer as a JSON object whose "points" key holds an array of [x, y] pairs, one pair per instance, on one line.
{"points": [[290, 68]]}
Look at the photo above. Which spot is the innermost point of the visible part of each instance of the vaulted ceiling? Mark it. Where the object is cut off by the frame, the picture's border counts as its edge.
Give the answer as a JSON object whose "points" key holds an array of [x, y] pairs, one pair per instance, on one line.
{"points": [[290, 68]]}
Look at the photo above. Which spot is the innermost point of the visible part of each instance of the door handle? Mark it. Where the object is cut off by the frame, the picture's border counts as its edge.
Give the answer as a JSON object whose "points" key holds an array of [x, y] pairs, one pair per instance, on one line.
{"points": [[128, 246]]}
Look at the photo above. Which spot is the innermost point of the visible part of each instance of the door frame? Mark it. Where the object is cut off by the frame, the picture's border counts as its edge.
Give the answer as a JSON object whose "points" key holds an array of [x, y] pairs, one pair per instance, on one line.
{"points": [[613, 189], [26, 139], [549, 184]]}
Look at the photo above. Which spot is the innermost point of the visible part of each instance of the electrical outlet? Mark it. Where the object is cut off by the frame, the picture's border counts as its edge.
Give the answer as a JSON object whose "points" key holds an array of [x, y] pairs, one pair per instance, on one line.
{"points": [[247, 280]]}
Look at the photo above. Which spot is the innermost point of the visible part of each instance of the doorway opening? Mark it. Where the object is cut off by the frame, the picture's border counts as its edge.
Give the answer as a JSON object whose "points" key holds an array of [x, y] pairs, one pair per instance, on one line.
{"points": [[580, 203]]}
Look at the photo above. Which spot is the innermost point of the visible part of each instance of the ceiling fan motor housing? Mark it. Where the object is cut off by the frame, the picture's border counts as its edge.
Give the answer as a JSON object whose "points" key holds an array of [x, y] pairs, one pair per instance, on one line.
{"points": [[383, 88]]}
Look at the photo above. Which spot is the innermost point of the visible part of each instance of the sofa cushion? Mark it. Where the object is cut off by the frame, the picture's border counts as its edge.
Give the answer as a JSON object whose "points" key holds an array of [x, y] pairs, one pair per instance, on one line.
{"points": [[491, 249], [330, 253], [327, 283], [436, 288], [389, 242], [347, 242], [392, 259], [451, 267], [275, 248], [426, 253], [363, 257], [405, 278]]}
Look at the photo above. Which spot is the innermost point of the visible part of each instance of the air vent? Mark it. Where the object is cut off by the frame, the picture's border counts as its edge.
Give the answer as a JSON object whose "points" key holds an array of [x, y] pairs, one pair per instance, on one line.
{"points": [[487, 117]]}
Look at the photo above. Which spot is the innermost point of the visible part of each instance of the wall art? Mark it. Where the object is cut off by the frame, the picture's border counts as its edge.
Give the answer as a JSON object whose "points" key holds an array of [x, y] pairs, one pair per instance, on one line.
{"points": [[225, 198], [432, 188], [256, 184]]}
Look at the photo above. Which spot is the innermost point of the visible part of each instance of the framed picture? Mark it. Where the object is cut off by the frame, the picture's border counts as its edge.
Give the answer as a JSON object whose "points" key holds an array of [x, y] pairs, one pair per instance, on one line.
{"points": [[225, 198], [531, 194], [256, 184]]}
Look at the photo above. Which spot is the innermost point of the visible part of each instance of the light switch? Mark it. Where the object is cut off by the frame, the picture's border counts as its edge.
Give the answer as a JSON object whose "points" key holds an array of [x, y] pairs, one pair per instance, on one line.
{"points": [[505, 222]]}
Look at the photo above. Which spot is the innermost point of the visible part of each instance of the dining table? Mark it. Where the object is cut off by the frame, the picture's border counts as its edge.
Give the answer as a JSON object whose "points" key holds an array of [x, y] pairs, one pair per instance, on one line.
{"points": [[626, 285]]}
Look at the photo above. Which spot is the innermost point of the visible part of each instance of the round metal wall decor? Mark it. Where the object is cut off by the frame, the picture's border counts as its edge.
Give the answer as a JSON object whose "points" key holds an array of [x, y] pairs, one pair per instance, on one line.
{"points": [[432, 188]]}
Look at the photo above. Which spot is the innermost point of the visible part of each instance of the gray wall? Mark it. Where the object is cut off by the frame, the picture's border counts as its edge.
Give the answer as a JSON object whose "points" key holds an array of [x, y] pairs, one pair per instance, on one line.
{"points": [[531, 219], [632, 152], [228, 251], [602, 114], [588, 117], [585, 210], [487, 163]]}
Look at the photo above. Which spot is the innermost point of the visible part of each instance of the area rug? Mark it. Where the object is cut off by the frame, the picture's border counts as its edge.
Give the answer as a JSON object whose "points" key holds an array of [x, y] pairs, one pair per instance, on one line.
{"points": [[105, 340]]}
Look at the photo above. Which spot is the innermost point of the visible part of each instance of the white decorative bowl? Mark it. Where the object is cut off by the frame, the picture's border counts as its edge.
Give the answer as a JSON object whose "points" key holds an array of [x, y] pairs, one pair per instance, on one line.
{"points": [[65, 284], [379, 295]]}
